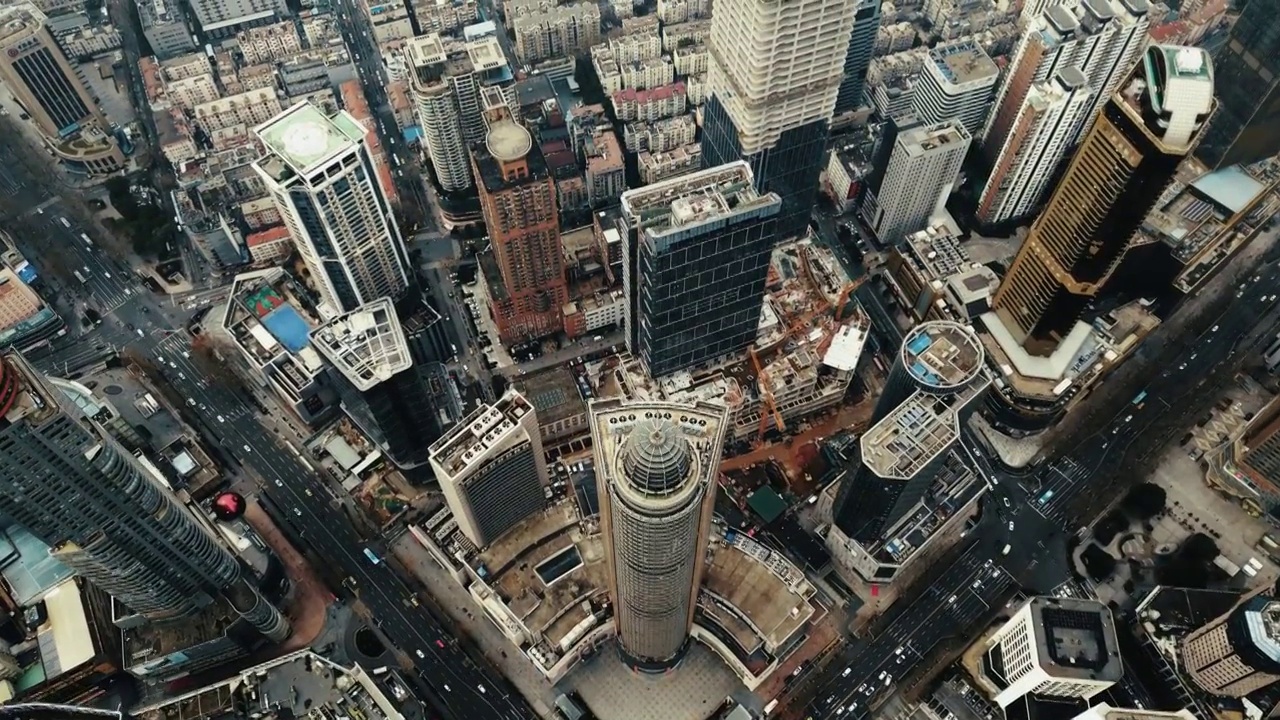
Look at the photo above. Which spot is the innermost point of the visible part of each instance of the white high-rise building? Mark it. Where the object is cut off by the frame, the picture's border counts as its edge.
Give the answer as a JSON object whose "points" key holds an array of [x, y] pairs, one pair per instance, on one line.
{"points": [[958, 81], [1037, 141], [922, 170], [774, 72], [324, 184], [1060, 647], [1103, 39], [1107, 712]]}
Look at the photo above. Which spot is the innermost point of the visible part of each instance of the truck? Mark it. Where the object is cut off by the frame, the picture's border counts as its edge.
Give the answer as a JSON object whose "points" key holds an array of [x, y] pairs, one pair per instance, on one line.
{"points": [[373, 558]]}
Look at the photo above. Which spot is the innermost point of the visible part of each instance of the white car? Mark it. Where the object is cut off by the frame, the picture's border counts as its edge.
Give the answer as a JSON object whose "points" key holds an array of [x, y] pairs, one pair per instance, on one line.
{"points": [[308, 491], [297, 512], [247, 449], [221, 419], [421, 656], [482, 690], [191, 402]]}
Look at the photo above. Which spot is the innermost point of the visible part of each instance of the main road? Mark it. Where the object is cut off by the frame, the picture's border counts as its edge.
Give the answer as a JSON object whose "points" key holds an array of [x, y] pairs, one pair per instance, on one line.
{"points": [[1193, 376]]}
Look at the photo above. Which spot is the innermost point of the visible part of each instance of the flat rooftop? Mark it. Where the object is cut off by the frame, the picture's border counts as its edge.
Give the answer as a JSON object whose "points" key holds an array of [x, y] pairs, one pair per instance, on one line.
{"points": [[553, 393], [303, 137], [927, 138], [942, 354], [34, 400], [366, 345], [1076, 638], [768, 590], [486, 428], [964, 62], [910, 437], [697, 198]]}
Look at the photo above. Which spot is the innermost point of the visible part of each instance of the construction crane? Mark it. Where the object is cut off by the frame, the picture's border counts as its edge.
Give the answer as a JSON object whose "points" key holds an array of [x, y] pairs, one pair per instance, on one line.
{"points": [[766, 393], [846, 291]]}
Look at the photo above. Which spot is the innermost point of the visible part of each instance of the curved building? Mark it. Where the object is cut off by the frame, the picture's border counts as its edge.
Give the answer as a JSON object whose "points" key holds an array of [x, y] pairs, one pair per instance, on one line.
{"points": [[1237, 653], [938, 357], [656, 464], [75, 488]]}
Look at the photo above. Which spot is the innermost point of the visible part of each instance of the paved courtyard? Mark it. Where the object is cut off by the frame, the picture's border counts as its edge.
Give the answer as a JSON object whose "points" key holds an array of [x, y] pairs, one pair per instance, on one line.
{"points": [[690, 692]]}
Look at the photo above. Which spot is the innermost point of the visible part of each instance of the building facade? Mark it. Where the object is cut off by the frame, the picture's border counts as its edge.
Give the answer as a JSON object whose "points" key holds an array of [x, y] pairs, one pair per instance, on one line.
{"points": [[958, 82], [857, 58], [656, 468], [1144, 131], [165, 28], [1248, 87], [775, 71], [321, 176], [491, 468], [222, 18], [921, 173], [696, 256], [1237, 653]]}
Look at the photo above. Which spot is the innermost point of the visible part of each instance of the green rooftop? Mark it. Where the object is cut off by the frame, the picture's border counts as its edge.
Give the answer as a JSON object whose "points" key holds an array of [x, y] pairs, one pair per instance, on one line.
{"points": [[304, 136]]}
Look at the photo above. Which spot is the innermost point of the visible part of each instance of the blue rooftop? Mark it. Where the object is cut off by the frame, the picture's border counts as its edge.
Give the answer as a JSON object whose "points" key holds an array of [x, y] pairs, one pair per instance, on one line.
{"points": [[288, 327], [1232, 188]]}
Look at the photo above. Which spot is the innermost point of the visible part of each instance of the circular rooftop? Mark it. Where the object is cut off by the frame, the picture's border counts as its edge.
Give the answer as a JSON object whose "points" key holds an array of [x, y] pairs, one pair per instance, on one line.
{"points": [[508, 142], [656, 457], [942, 354], [306, 139]]}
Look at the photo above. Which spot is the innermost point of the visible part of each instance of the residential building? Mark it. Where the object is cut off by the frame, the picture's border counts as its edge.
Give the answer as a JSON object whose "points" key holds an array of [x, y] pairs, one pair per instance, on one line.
{"points": [[222, 18], [696, 255], [389, 20], [606, 174], [656, 466], [857, 58], [958, 82], [656, 167], [692, 34], [18, 302], [188, 92], [1235, 654], [544, 31], [691, 60], [165, 28], [126, 533], [661, 136], [491, 468], [248, 108], [269, 247], [184, 66], [1037, 142], [672, 12], [771, 100], [935, 384], [269, 43], [921, 173], [1101, 38], [177, 143], [649, 105], [1121, 169], [319, 172], [1247, 70], [525, 272], [1054, 647]]}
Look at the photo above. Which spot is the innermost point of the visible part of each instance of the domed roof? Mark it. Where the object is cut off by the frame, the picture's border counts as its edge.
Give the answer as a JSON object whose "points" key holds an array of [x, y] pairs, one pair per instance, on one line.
{"points": [[656, 457]]}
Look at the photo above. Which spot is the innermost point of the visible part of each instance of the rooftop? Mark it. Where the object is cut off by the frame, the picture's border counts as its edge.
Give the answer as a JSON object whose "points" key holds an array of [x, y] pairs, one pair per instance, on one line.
{"points": [[366, 345], [771, 592], [942, 355], [486, 429], [911, 437], [304, 138], [963, 62], [266, 317], [927, 138], [1170, 94], [554, 394], [1076, 638], [657, 454], [507, 141], [698, 198]]}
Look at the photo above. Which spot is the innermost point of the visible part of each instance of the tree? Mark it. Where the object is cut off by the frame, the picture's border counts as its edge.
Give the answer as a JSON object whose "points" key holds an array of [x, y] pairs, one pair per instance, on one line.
{"points": [[584, 73], [1144, 501]]}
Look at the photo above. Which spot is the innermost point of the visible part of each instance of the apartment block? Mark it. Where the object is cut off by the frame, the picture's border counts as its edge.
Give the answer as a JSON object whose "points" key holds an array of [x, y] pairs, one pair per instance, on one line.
{"points": [[958, 81], [922, 170], [691, 60], [269, 43], [685, 35], [671, 12], [659, 136], [165, 28], [650, 105], [189, 92], [656, 167], [250, 108], [544, 32], [606, 168]]}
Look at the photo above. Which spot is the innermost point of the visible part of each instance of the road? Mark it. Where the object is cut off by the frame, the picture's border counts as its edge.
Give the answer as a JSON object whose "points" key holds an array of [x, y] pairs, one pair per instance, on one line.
{"points": [[1033, 522]]}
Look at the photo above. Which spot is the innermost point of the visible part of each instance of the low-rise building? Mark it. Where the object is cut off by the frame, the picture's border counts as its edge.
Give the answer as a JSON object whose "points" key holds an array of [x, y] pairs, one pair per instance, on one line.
{"points": [[658, 166], [606, 174], [192, 90], [183, 66], [249, 108], [176, 142], [595, 312], [269, 43], [690, 60], [660, 136], [650, 105], [165, 28], [671, 12], [389, 20], [685, 35], [269, 247]]}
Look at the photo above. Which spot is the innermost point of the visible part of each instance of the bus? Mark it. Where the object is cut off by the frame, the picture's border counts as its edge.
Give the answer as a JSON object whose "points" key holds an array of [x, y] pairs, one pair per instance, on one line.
{"points": [[78, 276], [86, 239], [372, 557], [1139, 398]]}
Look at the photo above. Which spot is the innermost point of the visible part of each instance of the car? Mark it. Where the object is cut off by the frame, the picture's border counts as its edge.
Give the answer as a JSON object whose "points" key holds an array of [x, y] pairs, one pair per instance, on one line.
{"points": [[297, 512], [247, 449], [1127, 418], [191, 402], [421, 655], [846, 672], [308, 492], [279, 483], [481, 689], [1006, 502], [447, 688], [221, 419]]}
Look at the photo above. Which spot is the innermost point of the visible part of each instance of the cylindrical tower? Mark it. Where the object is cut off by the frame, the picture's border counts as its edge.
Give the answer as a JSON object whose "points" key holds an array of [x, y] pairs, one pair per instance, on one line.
{"points": [[656, 465], [71, 485], [939, 357]]}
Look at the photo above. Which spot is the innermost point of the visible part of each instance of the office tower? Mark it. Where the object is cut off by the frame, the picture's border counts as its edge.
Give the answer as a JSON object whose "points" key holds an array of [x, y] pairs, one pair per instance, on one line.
{"points": [[1101, 38], [1124, 164], [222, 18], [933, 386], [1056, 647], [656, 467], [774, 72], [68, 482], [957, 82], [696, 252], [1236, 653], [447, 77], [525, 272], [857, 58], [1247, 69], [165, 28], [321, 177], [382, 390], [921, 172], [1037, 141], [491, 468], [1107, 712]]}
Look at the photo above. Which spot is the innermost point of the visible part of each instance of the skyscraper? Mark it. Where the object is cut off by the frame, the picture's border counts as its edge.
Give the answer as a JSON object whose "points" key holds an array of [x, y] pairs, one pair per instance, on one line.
{"points": [[957, 82], [935, 383], [1238, 652], [656, 467], [1126, 160], [323, 182], [491, 468], [857, 59], [1037, 141], [696, 252], [525, 271], [1100, 38], [383, 392], [1247, 70], [774, 72], [68, 482], [922, 170]]}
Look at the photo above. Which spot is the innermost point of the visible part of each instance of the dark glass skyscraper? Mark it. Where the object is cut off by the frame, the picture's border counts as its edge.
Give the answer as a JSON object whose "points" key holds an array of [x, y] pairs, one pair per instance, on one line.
{"points": [[774, 72], [66, 480], [697, 255], [857, 59], [1246, 126]]}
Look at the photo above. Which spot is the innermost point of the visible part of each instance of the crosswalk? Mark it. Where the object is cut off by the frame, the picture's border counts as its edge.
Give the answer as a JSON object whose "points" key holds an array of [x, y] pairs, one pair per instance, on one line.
{"points": [[9, 185], [1065, 476]]}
